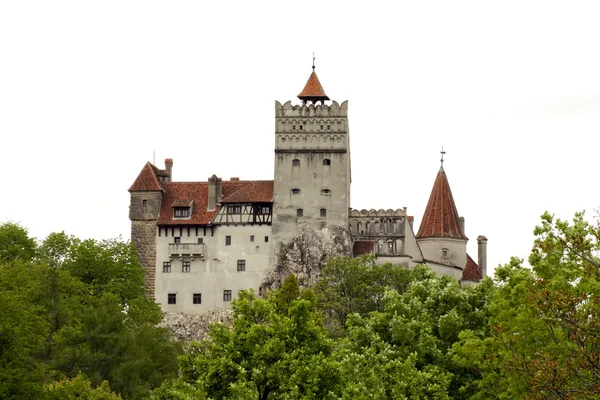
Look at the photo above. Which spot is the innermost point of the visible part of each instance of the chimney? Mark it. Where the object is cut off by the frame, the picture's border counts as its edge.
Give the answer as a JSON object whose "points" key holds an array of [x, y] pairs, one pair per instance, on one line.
{"points": [[214, 192], [461, 224], [169, 168], [482, 254], [235, 179]]}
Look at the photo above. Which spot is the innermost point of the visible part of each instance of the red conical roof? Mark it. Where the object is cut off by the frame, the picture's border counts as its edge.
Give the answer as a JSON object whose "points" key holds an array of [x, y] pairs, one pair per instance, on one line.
{"points": [[147, 180], [441, 217], [313, 91]]}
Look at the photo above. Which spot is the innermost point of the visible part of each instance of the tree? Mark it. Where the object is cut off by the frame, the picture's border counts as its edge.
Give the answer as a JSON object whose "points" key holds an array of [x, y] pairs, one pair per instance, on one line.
{"points": [[276, 347], [356, 285], [79, 388], [15, 243], [546, 341]]}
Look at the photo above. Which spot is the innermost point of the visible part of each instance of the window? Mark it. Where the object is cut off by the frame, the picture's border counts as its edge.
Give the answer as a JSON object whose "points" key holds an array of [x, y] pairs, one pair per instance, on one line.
{"points": [[177, 240], [181, 212], [226, 295], [167, 266], [241, 265], [172, 298], [295, 162], [234, 209], [301, 127], [227, 240], [328, 127], [144, 203], [252, 238], [200, 240], [186, 266], [264, 210], [299, 212], [321, 127], [293, 127], [295, 191], [323, 212], [445, 253], [266, 239], [327, 161], [197, 298], [325, 192]]}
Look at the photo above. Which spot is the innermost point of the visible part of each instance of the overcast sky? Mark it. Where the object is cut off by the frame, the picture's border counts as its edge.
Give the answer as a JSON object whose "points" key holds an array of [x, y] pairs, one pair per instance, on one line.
{"points": [[511, 89]]}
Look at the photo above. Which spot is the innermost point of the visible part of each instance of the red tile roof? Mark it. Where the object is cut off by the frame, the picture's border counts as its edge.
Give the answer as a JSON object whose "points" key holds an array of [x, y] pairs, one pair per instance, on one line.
{"points": [[472, 271], [313, 90], [441, 217], [362, 247], [239, 191], [147, 179]]}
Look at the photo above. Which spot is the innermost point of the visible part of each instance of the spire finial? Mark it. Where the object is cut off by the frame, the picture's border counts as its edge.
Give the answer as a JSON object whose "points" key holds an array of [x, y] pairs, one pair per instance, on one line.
{"points": [[442, 159], [314, 60]]}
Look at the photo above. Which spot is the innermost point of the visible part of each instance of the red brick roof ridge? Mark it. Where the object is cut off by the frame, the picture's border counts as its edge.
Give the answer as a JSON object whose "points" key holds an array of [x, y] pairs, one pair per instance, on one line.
{"points": [[313, 88], [441, 216], [472, 271], [147, 179]]}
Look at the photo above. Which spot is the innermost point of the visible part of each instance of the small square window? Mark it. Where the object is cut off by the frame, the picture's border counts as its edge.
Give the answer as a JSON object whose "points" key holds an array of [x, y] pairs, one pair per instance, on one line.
{"points": [[295, 162], [266, 239], [186, 267], [144, 203], [177, 240], [295, 191], [226, 295], [241, 265], [172, 298], [227, 240], [197, 298], [299, 212], [327, 161], [200, 240], [167, 266], [252, 238], [323, 212]]}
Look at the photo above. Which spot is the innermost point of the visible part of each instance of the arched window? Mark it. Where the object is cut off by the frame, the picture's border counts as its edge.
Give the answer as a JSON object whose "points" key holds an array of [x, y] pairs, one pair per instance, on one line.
{"points": [[327, 161], [295, 162]]}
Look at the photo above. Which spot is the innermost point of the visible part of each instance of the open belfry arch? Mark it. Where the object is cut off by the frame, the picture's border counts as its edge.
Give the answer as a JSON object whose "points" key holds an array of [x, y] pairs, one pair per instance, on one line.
{"points": [[202, 242]]}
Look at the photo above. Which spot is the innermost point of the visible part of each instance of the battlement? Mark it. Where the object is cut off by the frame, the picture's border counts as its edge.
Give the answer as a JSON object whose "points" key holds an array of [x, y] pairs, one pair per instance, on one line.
{"points": [[378, 213], [311, 110]]}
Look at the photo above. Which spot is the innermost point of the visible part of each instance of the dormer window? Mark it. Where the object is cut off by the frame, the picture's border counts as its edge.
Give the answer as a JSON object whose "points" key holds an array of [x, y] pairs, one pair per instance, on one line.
{"points": [[181, 212]]}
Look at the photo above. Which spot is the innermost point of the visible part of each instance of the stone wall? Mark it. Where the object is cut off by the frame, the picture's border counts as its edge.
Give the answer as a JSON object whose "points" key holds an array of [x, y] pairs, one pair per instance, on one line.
{"points": [[143, 237]]}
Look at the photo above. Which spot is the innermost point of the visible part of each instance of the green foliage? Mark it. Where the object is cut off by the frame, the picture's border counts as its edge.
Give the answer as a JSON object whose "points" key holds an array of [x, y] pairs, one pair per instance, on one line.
{"points": [[15, 243], [546, 341], [78, 388], [79, 306], [355, 285], [276, 348]]}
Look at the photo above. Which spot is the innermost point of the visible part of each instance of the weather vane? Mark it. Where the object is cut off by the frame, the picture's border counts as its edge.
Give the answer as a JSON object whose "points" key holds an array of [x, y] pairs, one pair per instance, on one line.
{"points": [[442, 153], [314, 60]]}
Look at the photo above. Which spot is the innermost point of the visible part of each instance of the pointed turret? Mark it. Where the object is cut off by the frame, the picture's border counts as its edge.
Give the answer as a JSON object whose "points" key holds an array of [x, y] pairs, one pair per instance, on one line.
{"points": [[441, 217], [313, 91]]}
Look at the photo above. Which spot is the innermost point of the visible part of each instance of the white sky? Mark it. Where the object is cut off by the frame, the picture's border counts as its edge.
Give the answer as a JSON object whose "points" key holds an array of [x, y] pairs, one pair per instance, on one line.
{"points": [[511, 89]]}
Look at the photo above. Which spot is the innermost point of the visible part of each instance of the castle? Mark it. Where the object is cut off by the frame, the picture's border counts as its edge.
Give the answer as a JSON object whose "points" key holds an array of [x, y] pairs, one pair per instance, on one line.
{"points": [[202, 242]]}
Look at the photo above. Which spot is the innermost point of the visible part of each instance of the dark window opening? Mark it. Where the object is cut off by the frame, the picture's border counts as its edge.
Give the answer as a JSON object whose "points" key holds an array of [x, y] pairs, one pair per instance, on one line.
{"points": [[301, 127], [167, 266], [323, 212], [252, 238], [144, 203], [227, 240], [295, 191], [186, 267], [299, 212], [327, 161], [226, 295], [172, 298], [197, 298], [325, 192], [200, 240], [266, 239], [177, 240], [241, 265], [295, 162], [181, 212]]}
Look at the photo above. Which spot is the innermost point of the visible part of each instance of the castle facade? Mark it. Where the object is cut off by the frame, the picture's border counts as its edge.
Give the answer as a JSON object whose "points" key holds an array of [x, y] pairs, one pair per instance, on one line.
{"points": [[200, 243]]}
